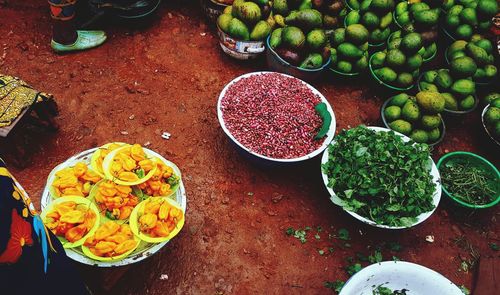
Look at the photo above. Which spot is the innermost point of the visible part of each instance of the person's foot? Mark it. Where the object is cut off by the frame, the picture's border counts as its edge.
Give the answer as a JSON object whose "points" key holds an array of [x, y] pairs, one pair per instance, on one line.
{"points": [[84, 40]]}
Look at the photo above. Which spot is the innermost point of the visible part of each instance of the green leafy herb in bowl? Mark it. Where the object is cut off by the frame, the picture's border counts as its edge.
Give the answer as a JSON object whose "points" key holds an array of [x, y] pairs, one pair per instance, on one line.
{"points": [[470, 180], [382, 290], [381, 177]]}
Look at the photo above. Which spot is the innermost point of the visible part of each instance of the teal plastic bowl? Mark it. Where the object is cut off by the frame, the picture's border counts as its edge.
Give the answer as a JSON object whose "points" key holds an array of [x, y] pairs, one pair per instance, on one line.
{"points": [[479, 162], [424, 60], [370, 45], [348, 6], [342, 74], [442, 126], [449, 37], [478, 83], [451, 112], [395, 20], [385, 84]]}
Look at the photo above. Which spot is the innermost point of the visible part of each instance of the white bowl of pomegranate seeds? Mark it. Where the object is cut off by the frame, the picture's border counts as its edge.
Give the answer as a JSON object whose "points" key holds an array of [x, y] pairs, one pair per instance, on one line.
{"points": [[272, 116]]}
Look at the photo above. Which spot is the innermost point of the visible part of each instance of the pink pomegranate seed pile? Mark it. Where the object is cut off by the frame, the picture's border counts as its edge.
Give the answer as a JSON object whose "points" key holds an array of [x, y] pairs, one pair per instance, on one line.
{"points": [[272, 115]]}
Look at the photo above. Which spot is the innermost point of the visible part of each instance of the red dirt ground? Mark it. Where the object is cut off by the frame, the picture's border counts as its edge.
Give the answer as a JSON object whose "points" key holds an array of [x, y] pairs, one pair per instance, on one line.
{"points": [[168, 76]]}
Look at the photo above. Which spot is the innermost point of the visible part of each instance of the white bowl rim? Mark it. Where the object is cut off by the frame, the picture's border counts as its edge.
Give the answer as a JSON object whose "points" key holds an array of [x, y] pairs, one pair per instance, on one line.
{"points": [[326, 142], [420, 218], [376, 268]]}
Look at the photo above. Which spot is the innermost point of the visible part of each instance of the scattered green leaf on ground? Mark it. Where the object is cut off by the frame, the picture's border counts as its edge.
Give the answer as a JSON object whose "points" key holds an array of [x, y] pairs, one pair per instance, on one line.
{"points": [[299, 234], [376, 257], [344, 234], [335, 286], [353, 268], [464, 290]]}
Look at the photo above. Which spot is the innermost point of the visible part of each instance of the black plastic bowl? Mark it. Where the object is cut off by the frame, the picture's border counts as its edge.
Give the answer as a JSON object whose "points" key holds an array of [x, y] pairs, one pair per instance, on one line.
{"points": [[442, 127]]}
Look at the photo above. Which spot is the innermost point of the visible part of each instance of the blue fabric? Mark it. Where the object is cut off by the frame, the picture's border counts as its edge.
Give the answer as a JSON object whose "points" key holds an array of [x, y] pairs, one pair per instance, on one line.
{"points": [[40, 268]]}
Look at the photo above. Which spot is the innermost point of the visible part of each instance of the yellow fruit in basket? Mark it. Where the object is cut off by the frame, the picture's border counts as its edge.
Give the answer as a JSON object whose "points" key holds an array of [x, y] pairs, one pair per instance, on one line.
{"points": [[125, 212], [137, 152], [155, 185], [90, 219], [65, 207], [167, 219], [152, 207], [76, 233], [128, 176], [117, 166], [91, 176], [104, 247], [147, 221], [163, 211], [167, 174], [75, 216], [164, 189], [107, 191], [70, 219], [79, 169], [63, 173], [65, 182], [117, 243], [86, 188], [72, 191], [125, 246], [128, 163], [125, 229], [146, 165], [175, 213], [74, 181], [122, 189], [161, 229], [117, 201], [162, 181], [54, 215], [118, 238], [157, 175], [106, 230], [107, 184]]}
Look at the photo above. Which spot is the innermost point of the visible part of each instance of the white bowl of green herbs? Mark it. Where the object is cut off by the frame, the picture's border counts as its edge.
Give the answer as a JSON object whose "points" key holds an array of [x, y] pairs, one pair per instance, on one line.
{"points": [[399, 277], [381, 177]]}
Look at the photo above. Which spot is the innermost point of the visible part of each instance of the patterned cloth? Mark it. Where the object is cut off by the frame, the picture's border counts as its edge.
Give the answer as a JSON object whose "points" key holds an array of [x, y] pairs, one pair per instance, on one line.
{"points": [[62, 9], [32, 260], [15, 97]]}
